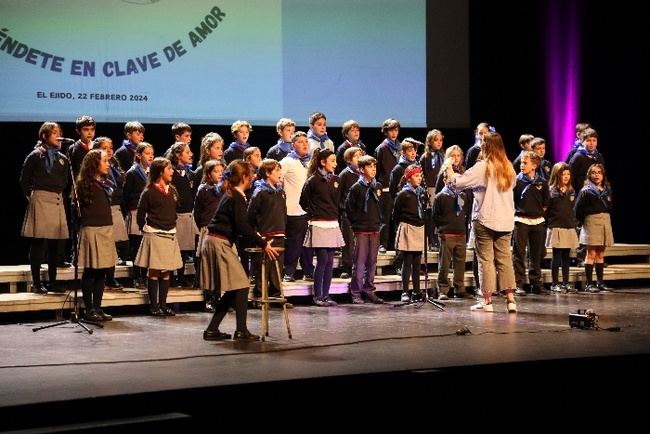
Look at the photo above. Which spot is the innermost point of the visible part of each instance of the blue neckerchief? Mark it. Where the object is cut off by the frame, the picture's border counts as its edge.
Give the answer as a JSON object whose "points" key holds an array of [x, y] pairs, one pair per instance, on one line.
{"points": [[113, 174], [240, 146], [394, 146], [354, 170], [404, 162], [304, 160], [326, 176], [528, 182], [371, 190], [556, 192], [436, 159], [322, 139], [602, 195], [594, 155], [128, 145], [214, 189], [285, 146], [106, 185], [140, 171], [417, 192], [50, 157], [261, 184], [183, 170], [460, 201]]}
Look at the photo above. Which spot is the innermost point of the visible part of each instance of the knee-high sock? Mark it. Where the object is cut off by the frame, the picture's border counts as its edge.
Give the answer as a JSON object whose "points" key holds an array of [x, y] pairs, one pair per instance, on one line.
{"points": [[163, 289], [589, 273], [152, 289], [98, 287], [241, 308], [220, 309], [87, 287], [599, 266]]}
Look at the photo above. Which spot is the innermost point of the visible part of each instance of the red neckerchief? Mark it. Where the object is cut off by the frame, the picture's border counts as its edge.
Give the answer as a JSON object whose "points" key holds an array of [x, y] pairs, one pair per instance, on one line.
{"points": [[161, 189]]}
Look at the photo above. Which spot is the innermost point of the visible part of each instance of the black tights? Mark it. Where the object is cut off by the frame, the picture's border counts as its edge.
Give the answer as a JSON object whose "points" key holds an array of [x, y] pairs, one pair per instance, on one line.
{"points": [[411, 268], [237, 298], [36, 248], [560, 258], [92, 287]]}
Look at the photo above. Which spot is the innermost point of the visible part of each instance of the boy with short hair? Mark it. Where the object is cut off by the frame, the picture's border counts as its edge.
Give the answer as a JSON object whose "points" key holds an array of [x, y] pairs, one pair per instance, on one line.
{"points": [[317, 134], [125, 155], [241, 131], [285, 128]]}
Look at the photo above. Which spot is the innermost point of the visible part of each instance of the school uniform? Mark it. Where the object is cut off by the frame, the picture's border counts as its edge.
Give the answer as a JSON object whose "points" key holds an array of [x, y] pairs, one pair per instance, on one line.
{"points": [[349, 176], [363, 212], [472, 155], [408, 212], [235, 152], [449, 213], [387, 154], [278, 151], [183, 180], [156, 217], [593, 208], [117, 177], [560, 219], [76, 154], [125, 154], [316, 142], [531, 198], [580, 163], [340, 153]]}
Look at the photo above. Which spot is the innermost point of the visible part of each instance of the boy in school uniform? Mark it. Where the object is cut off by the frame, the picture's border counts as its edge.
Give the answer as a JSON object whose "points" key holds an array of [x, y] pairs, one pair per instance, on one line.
{"points": [[125, 155], [538, 146], [317, 134], [351, 131], [363, 212], [285, 128], [349, 176], [387, 154], [531, 198], [241, 131]]}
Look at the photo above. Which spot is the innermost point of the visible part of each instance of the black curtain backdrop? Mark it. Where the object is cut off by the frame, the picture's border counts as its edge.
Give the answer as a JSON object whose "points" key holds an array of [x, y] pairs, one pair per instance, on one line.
{"points": [[507, 89]]}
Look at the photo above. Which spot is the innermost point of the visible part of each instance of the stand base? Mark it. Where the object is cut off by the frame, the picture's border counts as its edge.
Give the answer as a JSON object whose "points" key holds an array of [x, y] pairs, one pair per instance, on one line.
{"points": [[74, 319]]}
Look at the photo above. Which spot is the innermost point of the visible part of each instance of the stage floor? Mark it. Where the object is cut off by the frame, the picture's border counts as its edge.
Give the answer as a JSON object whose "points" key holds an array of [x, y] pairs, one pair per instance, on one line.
{"points": [[141, 354]]}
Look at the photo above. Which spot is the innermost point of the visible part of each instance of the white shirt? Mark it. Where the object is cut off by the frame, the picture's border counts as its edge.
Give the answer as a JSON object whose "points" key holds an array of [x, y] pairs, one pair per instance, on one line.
{"points": [[295, 176]]}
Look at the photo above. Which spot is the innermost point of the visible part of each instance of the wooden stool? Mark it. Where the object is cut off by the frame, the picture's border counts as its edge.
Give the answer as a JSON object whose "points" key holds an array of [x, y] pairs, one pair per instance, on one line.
{"points": [[265, 300]]}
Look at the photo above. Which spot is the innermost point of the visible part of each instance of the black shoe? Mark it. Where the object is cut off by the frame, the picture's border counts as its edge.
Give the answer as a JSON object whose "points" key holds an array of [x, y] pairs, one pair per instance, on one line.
{"points": [[104, 316], [245, 336], [113, 284], [603, 287], [54, 287], [92, 315], [39, 289], [156, 311], [216, 335], [167, 311], [308, 278], [63, 265], [373, 298]]}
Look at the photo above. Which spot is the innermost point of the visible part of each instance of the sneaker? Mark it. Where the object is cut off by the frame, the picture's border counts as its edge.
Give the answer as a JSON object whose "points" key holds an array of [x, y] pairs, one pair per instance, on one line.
{"points": [[103, 315], [308, 278], [329, 301], [345, 275], [320, 302], [406, 297], [557, 288], [482, 306], [569, 288], [382, 250], [520, 292], [288, 278], [592, 288], [602, 286], [442, 296], [374, 298], [417, 296], [39, 289], [63, 265], [511, 306], [357, 300], [113, 284]]}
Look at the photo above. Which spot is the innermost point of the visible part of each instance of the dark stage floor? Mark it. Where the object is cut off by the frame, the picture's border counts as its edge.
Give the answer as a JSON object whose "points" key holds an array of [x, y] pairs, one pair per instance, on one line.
{"points": [[377, 347]]}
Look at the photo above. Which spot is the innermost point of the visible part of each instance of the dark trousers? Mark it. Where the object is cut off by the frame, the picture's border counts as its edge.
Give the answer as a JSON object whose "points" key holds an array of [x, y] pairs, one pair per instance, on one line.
{"points": [[323, 271], [36, 249], [532, 236], [348, 237], [238, 299], [386, 235], [366, 247], [452, 248], [294, 237]]}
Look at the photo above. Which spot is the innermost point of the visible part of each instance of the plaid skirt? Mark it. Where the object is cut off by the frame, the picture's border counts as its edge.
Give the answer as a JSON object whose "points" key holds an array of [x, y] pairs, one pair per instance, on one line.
{"points": [[562, 238], [597, 230], [186, 230], [45, 217], [159, 251], [409, 238], [119, 226], [220, 266], [323, 237], [97, 247]]}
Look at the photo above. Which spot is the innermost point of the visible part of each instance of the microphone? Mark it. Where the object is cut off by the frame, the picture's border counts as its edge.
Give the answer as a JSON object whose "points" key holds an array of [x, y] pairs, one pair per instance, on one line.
{"points": [[65, 140]]}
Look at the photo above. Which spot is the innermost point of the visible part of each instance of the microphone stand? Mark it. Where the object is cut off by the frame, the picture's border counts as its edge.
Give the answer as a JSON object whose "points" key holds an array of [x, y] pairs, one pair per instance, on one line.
{"points": [[75, 318]]}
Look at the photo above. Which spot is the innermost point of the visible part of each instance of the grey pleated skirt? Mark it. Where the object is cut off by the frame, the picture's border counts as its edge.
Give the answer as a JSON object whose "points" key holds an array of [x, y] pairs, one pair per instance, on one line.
{"points": [[119, 225], [97, 247], [597, 230], [186, 230], [45, 217], [561, 238], [159, 251], [409, 238], [220, 266], [323, 237], [132, 223]]}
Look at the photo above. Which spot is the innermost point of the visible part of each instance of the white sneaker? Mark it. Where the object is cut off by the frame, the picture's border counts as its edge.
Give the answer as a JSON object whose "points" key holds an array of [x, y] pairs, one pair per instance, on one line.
{"points": [[511, 306], [482, 306]]}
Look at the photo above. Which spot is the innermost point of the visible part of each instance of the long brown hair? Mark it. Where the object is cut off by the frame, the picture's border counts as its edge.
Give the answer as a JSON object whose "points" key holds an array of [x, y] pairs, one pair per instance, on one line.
{"points": [[494, 153], [87, 175], [234, 175]]}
